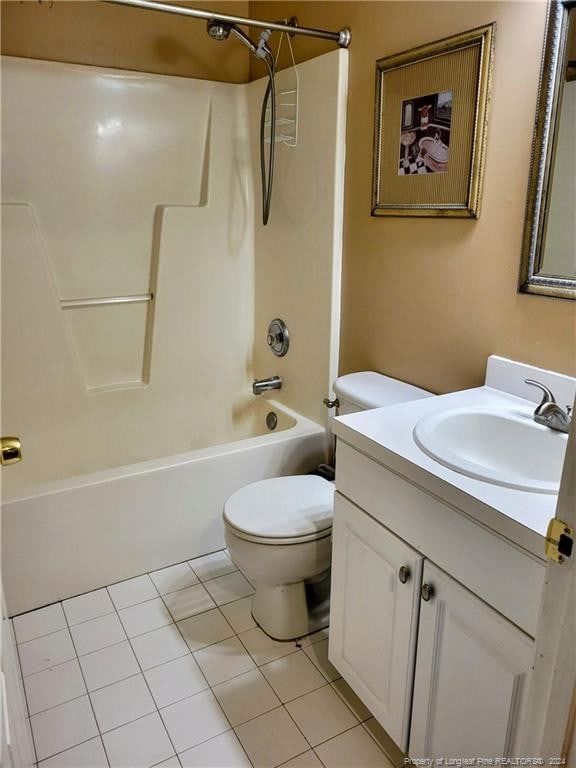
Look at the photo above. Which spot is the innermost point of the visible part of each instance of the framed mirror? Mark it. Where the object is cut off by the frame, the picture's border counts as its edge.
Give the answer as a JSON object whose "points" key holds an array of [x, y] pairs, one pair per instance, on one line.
{"points": [[549, 243]]}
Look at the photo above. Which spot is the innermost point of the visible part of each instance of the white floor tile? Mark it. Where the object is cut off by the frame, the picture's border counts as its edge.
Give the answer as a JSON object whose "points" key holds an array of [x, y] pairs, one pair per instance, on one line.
{"points": [[174, 578], [37, 623], [318, 654], [212, 566], [262, 648], [63, 727], [54, 686], [292, 676], [175, 680], [194, 720], [355, 747], [97, 633], [239, 614], [159, 646], [223, 660], [88, 606], [140, 744], [109, 665], [224, 751], [46, 651], [188, 602], [306, 760], [349, 697], [90, 754], [132, 592], [226, 589], [144, 617], [245, 697], [122, 702], [271, 739], [205, 629], [321, 715]]}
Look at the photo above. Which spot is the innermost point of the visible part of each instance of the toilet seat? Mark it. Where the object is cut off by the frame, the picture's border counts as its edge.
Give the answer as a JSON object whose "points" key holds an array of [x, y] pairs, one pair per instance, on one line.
{"points": [[282, 510]]}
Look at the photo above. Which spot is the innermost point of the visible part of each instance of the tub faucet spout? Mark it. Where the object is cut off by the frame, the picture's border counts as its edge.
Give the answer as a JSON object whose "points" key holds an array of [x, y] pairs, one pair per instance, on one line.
{"points": [[263, 385]]}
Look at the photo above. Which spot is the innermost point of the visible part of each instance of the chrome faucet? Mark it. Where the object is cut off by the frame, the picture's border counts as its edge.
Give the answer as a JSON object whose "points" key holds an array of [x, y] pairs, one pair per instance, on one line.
{"points": [[263, 385], [549, 413]]}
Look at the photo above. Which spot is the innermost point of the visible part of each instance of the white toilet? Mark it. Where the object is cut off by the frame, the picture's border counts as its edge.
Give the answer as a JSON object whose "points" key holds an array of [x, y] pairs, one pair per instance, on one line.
{"points": [[279, 531]]}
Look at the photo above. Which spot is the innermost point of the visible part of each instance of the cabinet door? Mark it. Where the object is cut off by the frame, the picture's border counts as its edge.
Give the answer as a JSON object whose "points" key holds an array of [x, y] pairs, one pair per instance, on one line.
{"points": [[374, 615], [472, 673]]}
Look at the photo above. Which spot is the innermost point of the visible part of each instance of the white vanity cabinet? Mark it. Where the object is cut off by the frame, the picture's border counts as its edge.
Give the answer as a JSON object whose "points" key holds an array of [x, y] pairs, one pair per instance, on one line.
{"points": [[471, 678], [442, 658], [374, 615]]}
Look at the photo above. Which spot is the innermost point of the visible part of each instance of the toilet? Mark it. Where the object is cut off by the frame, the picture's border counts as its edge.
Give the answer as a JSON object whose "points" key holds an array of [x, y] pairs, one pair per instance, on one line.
{"points": [[279, 531]]}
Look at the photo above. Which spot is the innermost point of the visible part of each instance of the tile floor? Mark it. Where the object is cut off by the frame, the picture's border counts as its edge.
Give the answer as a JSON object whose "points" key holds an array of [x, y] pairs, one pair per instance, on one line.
{"points": [[169, 669]]}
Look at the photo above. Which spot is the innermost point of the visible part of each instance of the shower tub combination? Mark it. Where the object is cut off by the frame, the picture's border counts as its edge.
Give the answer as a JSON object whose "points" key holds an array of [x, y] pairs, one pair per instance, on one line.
{"points": [[71, 536], [132, 332]]}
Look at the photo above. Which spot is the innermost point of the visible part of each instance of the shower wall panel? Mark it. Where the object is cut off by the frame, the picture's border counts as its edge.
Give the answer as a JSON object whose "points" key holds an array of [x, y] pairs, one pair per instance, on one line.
{"points": [[120, 184], [298, 255]]}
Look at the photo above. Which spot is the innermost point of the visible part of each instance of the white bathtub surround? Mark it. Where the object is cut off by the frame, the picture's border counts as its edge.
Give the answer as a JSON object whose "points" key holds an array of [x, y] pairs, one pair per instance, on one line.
{"points": [[195, 692], [83, 532], [161, 200]]}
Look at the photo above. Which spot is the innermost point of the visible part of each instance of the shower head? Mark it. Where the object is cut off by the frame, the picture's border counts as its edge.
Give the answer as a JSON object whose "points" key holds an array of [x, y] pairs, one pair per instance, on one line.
{"points": [[218, 30]]}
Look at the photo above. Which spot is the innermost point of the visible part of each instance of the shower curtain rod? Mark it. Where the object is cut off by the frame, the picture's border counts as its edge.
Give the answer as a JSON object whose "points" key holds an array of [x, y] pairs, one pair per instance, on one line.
{"points": [[342, 37]]}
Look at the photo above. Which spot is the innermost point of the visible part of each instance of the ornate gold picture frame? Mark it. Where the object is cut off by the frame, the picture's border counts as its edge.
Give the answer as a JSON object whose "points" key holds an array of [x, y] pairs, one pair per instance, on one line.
{"points": [[430, 127]]}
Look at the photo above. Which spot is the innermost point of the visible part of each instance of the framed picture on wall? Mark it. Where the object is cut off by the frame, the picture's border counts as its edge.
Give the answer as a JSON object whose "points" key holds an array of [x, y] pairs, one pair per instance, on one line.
{"points": [[430, 127]]}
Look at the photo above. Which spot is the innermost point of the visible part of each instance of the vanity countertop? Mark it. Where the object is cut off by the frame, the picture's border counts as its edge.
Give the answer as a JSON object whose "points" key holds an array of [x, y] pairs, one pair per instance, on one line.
{"points": [[386, 435]]}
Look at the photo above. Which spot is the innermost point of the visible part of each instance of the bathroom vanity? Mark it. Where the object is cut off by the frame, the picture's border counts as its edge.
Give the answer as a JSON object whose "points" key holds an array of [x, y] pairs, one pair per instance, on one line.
{"points": [[437, 575]]}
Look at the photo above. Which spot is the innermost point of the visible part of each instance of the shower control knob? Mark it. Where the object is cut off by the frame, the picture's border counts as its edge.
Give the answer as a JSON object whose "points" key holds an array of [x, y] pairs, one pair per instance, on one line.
{"points": [[278, 337]]}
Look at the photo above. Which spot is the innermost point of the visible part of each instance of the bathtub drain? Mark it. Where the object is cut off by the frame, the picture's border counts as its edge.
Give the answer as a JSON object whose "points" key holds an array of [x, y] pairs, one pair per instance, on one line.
{"points": [[271, 420]]}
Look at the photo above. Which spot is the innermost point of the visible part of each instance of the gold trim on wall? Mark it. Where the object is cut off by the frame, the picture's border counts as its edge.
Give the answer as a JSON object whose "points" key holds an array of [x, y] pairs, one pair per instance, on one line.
{"points": [[461, 64]]}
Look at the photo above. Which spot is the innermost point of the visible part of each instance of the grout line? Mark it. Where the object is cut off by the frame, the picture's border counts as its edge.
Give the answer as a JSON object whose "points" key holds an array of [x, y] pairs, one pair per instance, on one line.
{"points": [[150, 690], [88, 695], [25, 696], [62, 751]]}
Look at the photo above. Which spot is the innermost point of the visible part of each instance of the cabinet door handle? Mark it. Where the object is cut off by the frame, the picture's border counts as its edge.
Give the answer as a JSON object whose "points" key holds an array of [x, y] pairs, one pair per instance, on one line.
{"points": [[404, 574], [426, 592]]}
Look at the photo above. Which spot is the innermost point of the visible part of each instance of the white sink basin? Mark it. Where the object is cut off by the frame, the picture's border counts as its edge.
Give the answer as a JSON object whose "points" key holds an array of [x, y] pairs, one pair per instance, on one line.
{"points": [[503, 446]]}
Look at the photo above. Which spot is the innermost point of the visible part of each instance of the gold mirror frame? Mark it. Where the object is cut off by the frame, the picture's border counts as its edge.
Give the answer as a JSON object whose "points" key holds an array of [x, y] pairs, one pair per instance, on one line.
{"points": [[543, 155]]}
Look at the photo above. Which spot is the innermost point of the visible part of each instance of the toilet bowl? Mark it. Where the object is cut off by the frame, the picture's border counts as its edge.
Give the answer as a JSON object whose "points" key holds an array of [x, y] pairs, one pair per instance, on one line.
{"points": [[279, 531], [279, 534]]}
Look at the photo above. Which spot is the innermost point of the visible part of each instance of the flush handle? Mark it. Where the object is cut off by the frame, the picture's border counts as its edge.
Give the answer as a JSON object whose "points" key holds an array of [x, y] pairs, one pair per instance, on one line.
{"points": [[426, 592], [404, 574], [11, 451]]}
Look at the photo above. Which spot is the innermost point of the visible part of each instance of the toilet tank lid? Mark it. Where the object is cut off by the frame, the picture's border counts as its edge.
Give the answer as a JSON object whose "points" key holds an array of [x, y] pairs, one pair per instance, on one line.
{"points": [[368, 389]]}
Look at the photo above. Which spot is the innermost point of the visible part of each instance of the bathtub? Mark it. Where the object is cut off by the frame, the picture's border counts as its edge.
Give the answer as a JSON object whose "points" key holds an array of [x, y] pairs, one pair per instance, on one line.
{"points": [[71, 536]]}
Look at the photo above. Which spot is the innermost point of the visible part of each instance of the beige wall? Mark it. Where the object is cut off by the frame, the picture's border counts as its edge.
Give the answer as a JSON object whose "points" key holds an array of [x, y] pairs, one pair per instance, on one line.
{"points": [[425, 300], [87, 32]]}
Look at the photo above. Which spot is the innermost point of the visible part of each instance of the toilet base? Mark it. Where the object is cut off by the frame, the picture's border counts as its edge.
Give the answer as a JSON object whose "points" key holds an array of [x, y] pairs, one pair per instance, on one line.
{"points": [[290, 611]]}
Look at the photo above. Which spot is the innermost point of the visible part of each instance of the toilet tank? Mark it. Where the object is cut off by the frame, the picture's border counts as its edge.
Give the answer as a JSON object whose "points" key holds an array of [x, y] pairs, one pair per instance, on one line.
{"points": [[367, 389]]}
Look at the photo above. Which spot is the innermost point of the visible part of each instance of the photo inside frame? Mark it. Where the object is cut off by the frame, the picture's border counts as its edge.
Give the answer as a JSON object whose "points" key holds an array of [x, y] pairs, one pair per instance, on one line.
{"points": [[425, 134], [427, 130]]}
